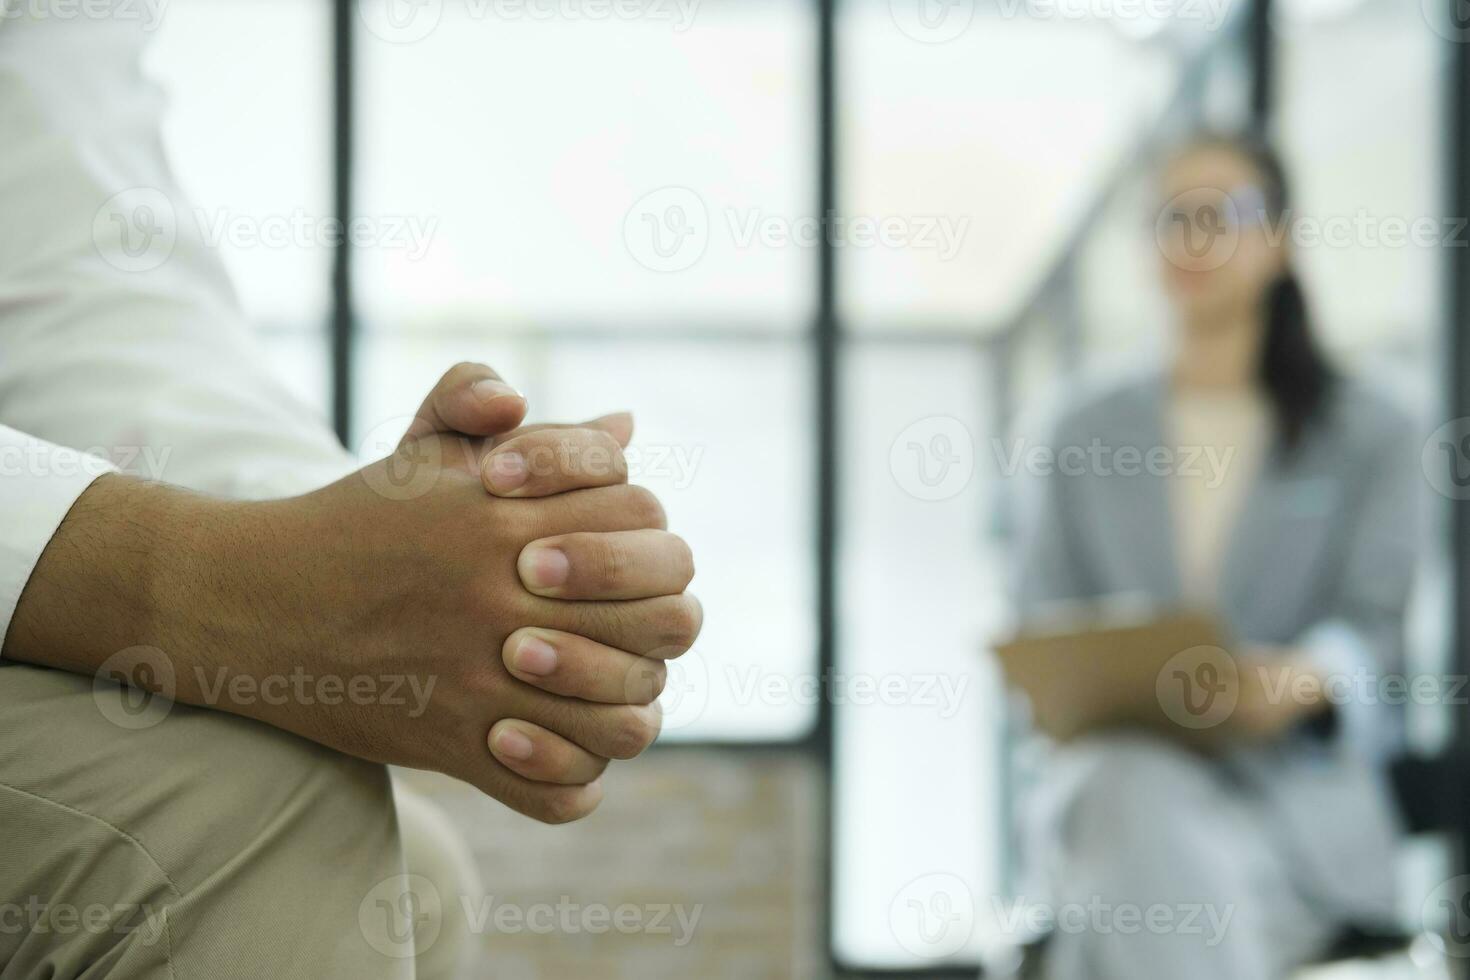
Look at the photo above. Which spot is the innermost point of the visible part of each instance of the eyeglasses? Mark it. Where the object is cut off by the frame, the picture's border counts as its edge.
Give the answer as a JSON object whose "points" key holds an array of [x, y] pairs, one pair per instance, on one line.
{"points": [[1220, 213]]}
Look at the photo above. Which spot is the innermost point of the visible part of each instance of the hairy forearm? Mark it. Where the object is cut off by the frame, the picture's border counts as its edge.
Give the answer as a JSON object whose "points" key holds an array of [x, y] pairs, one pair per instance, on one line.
{"points": [[94, 590], [378, 623], [139, 564]]}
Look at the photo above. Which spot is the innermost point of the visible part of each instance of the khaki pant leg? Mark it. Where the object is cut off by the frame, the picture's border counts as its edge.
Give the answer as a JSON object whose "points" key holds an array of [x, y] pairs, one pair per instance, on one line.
{"points": [[443, 869], [200, 846]]}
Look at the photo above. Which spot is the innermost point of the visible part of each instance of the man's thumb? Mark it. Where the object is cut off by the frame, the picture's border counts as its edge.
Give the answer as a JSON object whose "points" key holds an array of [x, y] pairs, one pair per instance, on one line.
{"points": [[472, 400]]}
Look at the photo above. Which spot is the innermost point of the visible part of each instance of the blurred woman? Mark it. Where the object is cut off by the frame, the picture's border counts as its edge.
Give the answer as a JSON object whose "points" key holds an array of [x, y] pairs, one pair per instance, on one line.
{"points": [[1240, 864]]}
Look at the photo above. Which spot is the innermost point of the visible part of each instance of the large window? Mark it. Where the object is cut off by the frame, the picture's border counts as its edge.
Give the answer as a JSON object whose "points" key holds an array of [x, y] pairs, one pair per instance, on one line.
{"points": [[598, 193]]}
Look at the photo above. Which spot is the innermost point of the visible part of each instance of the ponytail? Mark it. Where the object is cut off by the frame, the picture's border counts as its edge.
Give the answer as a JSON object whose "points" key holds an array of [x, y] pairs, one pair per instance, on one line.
{"points": [[1297, 377]]}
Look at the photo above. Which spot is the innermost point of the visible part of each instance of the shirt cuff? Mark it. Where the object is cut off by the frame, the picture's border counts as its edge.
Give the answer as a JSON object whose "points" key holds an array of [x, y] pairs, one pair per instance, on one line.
{"points": [[39, 482], [1351, 673]]}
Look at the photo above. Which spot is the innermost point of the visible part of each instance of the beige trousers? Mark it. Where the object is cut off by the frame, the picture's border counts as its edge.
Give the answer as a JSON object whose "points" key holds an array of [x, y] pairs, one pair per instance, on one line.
{"points": [[140, 839]]}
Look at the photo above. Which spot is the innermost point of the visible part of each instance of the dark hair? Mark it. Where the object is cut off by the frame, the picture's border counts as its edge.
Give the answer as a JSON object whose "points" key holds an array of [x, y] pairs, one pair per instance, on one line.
{"points": [[1297, 376]]}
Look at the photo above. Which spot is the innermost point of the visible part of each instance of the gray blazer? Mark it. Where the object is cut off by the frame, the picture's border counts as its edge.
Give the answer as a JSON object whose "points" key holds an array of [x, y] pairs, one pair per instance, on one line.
{"points": [[1321, 556]]}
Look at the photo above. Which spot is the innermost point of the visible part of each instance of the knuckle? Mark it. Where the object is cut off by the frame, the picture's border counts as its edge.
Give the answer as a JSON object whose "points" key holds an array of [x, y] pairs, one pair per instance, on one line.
{"points": [[564, 805], [543, 457], [615, 562], [607, 562], [646, 681], [682, 622], [559, 770], [583, 456], [605, 442], [645, 508], [596, 439], [463, 369], [603, 458], [683, 557], [633, 732]]}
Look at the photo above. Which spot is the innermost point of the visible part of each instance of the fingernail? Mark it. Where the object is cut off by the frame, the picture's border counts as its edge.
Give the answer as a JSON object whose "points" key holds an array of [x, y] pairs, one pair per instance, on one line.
{"points": [[544, 568], [534, 656], [488, 388], [507, 472], [512, 744]]}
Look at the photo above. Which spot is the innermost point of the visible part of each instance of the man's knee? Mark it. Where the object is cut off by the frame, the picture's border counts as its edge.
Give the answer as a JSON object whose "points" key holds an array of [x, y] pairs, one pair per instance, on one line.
{"points": [[264, 845], [442, 865]]}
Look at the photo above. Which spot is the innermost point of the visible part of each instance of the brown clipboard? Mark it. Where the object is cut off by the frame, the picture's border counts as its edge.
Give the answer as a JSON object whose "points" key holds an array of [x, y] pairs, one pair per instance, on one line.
{"points": [[1161, 674]]}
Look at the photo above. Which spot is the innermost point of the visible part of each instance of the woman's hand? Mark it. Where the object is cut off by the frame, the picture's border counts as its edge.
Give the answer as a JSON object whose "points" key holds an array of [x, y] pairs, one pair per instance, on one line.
{"points": [[1279, 690]]}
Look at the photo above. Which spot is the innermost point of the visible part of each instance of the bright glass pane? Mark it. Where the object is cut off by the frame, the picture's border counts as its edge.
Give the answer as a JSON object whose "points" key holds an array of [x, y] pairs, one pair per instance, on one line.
{"points": [[918, 792], [248, 129], [588, 183], [1366, 150], [975, 161], [604, 170]]}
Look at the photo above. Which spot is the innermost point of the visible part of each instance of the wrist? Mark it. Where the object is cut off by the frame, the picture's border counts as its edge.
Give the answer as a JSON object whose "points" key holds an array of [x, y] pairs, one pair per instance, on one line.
{"points": [[96, 587]]}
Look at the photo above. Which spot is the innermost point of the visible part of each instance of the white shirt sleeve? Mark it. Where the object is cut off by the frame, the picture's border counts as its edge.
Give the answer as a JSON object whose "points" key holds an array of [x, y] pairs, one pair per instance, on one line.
{"points": [[119, 333], [38, 484]]}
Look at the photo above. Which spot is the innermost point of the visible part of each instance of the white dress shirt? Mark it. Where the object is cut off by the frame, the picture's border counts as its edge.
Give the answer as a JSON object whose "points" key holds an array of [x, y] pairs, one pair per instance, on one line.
{"points": [[119, 332]]}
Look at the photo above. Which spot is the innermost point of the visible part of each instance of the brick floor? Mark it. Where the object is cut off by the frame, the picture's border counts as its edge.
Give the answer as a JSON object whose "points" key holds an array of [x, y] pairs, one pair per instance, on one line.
{"points": [[729, 836]]}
